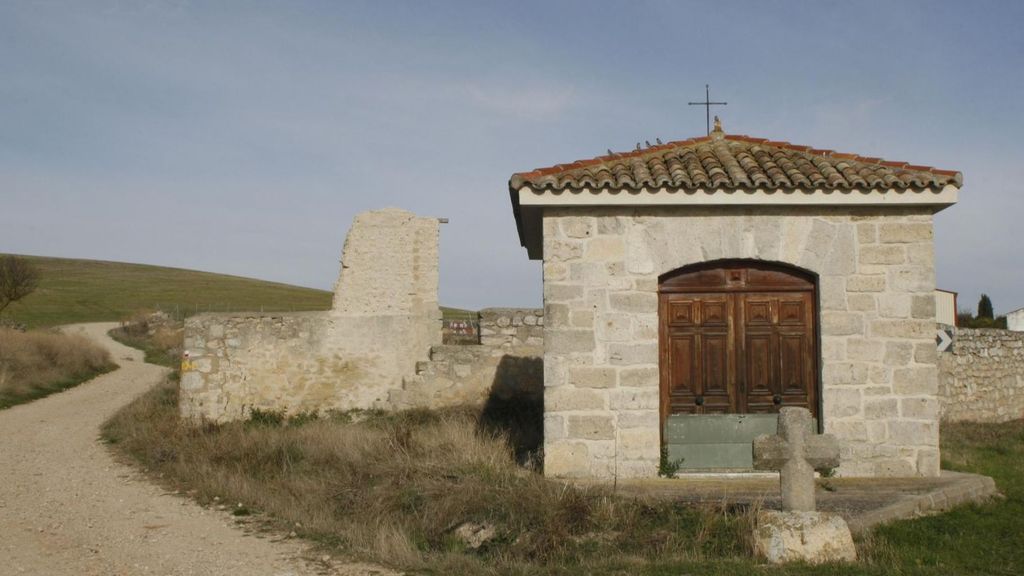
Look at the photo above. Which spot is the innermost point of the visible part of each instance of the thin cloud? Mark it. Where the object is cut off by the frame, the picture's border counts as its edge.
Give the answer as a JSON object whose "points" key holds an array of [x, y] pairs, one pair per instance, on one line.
{"points": [[530, 103]]}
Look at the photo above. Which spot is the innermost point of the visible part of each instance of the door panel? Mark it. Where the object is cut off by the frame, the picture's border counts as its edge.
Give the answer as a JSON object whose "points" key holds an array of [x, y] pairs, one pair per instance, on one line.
{"points": [[698, 362], [737, 340]]}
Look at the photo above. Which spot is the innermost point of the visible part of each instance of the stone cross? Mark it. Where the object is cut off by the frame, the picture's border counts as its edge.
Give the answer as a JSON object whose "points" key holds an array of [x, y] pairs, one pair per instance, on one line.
{"points": [[796, 452]]}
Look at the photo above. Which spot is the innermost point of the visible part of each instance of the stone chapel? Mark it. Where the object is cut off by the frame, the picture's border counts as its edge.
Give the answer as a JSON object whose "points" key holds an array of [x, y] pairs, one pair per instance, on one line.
{"points": [[692, 289]]}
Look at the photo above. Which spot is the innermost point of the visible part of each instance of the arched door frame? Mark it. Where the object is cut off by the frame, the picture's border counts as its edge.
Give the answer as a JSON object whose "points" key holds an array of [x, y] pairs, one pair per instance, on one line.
{"points": [[740, 275]]}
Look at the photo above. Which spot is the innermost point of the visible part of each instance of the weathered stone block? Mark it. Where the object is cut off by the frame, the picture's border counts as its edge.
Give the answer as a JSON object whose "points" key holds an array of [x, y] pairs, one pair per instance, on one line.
{"points": [[582, 319], [562, 292], [861, 302], [567, 398], [812, 537], [923, 306], [563, 459], [842, 402], [842, 323], [556, 314], [881, 409], [646, 376], [577, 227], [914, 433], [866, 283], [568, 341], [912, 279], [884, 254], [867, 233], [605, 248], [921, 381], [833, 294], [894, 305], [898, 353], [637, 442], [919, 408], [610, 225], [904, 232], [639, 419], [554, 427], [615, 327], [907, 329], [925, 353], [845, 373], [591, 427], [633, 302], [593, 377], [864, 350], [562, 250], [632, 354], [633, 398]]}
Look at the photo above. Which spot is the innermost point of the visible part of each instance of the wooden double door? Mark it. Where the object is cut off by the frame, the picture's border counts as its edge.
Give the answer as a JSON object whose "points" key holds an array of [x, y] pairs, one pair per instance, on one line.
{"points": [[737, 338]]}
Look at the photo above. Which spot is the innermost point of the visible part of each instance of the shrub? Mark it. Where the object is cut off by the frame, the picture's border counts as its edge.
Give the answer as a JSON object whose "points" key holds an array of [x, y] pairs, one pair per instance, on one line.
{"points": [[36, 363]]}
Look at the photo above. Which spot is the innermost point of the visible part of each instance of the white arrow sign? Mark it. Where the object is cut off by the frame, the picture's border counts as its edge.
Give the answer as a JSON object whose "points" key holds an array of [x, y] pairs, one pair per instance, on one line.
{"points": [[943, 340]]}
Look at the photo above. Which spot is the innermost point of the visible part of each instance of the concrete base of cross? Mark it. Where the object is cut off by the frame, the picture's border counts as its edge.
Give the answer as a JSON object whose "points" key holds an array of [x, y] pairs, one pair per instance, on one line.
{"points": [[812, 537]]}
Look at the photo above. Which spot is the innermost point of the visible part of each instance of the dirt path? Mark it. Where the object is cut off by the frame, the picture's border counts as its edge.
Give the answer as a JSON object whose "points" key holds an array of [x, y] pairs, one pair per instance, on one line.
{"points": [[67, 508]]}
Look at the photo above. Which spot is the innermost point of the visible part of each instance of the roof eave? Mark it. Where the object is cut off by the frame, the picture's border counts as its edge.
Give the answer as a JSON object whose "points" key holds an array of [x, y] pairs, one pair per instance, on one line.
{"points": [[538, 200]]}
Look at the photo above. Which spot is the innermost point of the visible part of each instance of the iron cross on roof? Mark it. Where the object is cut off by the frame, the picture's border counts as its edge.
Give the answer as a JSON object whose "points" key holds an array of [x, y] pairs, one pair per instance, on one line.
{"points": [[707, 104]]}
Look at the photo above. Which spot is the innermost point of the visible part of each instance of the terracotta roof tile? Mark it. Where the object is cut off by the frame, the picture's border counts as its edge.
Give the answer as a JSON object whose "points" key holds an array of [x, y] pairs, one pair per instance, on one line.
{"points": [[732, 161]]}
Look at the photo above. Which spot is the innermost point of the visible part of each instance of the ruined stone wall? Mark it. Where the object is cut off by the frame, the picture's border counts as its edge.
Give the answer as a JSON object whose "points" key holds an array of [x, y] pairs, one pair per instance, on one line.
{"points": [[384, 320], [982, 379], [459, 375], [877, 324], [512, 327]]}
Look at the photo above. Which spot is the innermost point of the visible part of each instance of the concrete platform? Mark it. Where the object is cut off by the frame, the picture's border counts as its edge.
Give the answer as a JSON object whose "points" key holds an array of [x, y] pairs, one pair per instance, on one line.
{"points": [[863, 502]]}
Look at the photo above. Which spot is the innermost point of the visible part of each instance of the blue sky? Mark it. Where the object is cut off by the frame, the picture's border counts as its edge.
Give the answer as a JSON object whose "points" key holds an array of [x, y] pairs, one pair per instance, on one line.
{"points": [[243, 137]]}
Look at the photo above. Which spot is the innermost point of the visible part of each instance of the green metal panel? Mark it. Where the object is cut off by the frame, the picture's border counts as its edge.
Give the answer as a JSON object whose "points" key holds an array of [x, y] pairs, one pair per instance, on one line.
{"points": [[716, 441]]}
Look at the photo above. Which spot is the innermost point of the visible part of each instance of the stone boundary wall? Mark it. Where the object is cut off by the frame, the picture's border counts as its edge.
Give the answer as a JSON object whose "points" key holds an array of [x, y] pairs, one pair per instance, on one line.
{"points": [[512, 327], [384, 319], [982, 379], [473, 375]]}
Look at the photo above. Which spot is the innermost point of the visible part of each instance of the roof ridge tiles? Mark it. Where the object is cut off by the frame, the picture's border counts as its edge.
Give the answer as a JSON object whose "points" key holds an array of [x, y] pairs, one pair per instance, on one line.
{"points": [[793, 160]]}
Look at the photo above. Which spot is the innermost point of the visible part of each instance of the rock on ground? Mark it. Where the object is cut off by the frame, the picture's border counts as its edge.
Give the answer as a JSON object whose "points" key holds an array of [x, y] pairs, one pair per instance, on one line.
{"points": [[813, 537]]}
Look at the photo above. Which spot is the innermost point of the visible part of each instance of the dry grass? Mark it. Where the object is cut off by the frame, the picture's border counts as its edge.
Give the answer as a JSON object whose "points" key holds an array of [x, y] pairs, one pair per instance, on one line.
{"points": [[37, 363], [162, 342], [393, 487]]}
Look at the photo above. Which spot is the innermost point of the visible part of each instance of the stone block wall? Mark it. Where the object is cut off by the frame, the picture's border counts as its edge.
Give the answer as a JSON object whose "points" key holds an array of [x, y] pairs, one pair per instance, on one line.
{"points": [[458, 375], [982, 379], [384, 320], [512, 327], [877, 326]]}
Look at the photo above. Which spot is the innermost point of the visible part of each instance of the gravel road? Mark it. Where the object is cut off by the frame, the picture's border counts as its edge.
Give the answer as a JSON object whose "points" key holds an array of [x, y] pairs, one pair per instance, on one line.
{"points": [[68, 508]]}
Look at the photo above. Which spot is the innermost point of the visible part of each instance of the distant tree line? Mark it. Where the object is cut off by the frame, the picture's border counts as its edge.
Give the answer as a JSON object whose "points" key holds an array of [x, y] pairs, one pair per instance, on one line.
{"points": [[985, 317]]}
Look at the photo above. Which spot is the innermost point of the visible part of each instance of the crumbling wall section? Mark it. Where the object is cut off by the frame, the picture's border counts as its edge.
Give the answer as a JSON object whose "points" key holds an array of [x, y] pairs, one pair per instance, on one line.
{"points": [[384, 320]]}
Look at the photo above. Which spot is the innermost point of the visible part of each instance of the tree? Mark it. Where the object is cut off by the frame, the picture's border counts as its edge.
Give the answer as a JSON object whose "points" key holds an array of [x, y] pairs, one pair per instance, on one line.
{"points": [[18, 278], [985, 307]]}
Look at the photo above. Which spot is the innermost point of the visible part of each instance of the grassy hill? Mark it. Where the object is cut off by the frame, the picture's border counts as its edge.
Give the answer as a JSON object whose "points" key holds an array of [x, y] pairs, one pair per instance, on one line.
{"points": [[72, 290]]}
